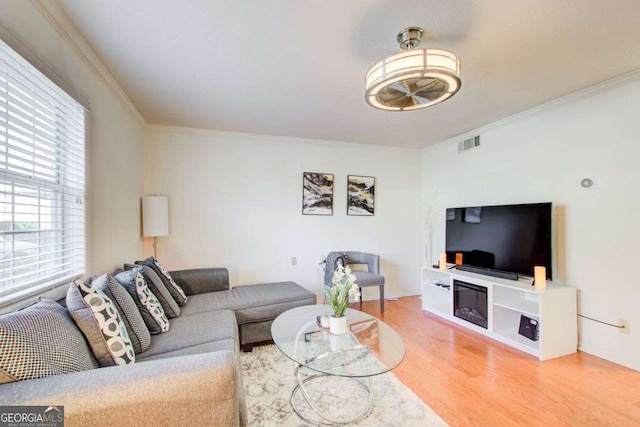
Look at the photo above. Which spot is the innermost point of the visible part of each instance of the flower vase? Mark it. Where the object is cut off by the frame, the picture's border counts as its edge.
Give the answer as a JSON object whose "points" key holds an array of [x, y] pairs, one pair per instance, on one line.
{"points": [[338, 325]]}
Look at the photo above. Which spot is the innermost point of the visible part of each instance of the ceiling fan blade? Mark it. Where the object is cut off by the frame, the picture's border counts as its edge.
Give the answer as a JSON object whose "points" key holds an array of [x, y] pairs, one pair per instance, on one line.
{"points": [[390, 95]]}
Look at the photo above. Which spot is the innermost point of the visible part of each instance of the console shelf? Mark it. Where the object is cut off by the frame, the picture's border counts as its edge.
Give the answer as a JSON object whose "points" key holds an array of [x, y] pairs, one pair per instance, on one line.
{"points": [[507, 300], [512, 336], [529, 309]]}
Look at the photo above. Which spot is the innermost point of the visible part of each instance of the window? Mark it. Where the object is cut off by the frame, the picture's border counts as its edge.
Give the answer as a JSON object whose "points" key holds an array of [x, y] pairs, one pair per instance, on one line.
{"points": [[42, 185]]}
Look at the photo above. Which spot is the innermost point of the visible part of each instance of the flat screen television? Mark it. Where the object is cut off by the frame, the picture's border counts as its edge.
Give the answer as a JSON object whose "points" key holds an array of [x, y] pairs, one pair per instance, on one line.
{"points": [[509, 238]]}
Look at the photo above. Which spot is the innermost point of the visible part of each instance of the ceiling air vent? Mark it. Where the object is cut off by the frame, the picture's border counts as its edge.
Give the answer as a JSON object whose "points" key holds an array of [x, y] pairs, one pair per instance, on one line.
{"points": [[469, 144]]}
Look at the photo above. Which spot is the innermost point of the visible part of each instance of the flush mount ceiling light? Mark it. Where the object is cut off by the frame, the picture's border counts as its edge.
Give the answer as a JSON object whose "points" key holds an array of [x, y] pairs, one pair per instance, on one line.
{"points": [[417, 78]]}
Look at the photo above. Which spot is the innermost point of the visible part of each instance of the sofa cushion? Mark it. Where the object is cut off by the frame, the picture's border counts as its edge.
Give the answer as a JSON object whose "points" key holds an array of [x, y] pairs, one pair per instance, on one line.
{"points": [[99, 320], [194, 330], [39, 341], [138, 331], [210, 347], [268, 300], [200, 303], [148, 305], [176, 291], [253, 303], [157, 286]]}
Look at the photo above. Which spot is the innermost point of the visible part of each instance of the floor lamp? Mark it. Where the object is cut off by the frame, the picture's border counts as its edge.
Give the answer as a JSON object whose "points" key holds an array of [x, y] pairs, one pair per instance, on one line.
{"points": [[155, 218]]}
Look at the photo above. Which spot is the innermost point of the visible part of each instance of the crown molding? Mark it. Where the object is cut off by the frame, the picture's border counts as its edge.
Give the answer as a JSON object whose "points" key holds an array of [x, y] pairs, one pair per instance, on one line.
{"points": [[599, 88], [60, 22], [276, 138], [32, 58]]}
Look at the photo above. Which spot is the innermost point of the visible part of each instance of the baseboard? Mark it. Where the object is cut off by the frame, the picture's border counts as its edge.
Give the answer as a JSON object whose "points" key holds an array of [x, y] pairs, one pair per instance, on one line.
{"points": [[395, 295]]}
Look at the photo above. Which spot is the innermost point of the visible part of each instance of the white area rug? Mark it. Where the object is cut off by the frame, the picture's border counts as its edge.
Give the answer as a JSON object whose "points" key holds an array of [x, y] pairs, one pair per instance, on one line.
{"points": [[269, 379]]}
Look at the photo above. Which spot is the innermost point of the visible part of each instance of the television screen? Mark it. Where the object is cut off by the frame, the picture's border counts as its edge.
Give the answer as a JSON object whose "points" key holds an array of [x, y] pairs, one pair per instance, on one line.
{"points": [[512, 238]]}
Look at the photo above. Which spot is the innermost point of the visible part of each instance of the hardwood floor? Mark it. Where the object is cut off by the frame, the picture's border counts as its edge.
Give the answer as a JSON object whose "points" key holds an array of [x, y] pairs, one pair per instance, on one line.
{"points": [[470, 380]]}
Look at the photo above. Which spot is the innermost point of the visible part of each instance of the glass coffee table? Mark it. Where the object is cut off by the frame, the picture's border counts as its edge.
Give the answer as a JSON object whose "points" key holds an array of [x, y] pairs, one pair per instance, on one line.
{"points": [[335, 363]]}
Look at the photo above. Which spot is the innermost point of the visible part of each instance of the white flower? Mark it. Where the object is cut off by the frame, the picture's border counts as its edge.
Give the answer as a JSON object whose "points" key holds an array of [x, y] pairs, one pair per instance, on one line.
{"points": [[354, 292], [343, 286]]}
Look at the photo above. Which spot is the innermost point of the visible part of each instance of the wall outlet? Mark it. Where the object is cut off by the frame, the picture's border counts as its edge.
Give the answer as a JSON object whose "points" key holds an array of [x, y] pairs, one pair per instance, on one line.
{"points": [[627, 326], [294, 260]]}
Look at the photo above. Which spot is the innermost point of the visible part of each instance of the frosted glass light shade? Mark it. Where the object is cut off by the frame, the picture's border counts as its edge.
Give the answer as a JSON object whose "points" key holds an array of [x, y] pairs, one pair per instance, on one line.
{"points": [[414, 79], [155, 216]]}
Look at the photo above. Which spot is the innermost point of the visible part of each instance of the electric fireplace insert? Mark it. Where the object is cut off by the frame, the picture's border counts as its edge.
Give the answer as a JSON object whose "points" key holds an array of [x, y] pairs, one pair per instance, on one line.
{"points": [[470, 302]]}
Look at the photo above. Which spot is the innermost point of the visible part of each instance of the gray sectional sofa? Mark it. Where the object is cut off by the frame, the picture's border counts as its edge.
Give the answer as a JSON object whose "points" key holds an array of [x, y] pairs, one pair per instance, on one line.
{"points": [[190, 373]]}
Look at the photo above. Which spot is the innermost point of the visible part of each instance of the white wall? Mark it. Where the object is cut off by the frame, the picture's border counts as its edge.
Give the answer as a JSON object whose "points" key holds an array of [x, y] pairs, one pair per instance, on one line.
{"points": [[236, 201], [114, 144], [542, 156]]}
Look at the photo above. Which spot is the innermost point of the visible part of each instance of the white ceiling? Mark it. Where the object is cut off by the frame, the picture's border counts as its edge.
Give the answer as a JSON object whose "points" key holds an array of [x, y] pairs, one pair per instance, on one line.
{"points": [[296, 68]]}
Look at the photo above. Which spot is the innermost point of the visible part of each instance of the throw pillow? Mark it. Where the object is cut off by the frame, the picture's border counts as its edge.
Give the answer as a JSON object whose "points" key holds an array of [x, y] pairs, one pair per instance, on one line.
{"points": [[137, 329], [99, 320], [176, 291], [40, 341], [358, 267], [148, 305], [169, 305]]}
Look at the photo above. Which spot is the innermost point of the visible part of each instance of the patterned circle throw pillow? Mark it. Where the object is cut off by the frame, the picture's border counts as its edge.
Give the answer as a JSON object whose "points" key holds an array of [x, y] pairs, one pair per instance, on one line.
{"points": [[148, 305], [137, 329], [101, 323], [157, 286], [176, 291]]}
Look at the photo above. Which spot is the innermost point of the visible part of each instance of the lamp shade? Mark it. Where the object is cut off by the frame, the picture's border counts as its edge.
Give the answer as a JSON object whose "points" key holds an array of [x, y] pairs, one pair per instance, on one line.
{"points": [[155, 216]]}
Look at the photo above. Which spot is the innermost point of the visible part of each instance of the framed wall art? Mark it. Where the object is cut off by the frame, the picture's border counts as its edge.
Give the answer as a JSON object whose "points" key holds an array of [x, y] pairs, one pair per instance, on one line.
{"points": [[317, 193], [361, 195], [473, 215]]}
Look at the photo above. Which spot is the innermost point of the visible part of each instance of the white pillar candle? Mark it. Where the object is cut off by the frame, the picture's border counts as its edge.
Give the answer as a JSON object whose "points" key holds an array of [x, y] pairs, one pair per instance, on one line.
{"points": [[443, 261], [540, 277]]}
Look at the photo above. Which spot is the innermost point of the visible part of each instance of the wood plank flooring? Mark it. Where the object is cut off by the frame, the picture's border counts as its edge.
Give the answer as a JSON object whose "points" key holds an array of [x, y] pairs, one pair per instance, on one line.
{"points": [[471, 380]]}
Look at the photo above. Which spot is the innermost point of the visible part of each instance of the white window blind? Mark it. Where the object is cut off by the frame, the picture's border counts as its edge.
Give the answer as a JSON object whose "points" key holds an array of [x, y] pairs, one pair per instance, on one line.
{"points": [[42, 185]]}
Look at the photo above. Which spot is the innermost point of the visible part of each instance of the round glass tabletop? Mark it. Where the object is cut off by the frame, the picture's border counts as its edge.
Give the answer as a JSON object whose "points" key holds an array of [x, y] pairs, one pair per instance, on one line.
{"points": [[370, 346]]}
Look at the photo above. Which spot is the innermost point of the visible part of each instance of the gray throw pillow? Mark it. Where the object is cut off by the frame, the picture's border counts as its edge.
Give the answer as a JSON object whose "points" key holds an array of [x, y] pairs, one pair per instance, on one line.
{"points": [[148, 305], [176, 291], [137, 329], [40, 341], [169, 305], [99, 320]]}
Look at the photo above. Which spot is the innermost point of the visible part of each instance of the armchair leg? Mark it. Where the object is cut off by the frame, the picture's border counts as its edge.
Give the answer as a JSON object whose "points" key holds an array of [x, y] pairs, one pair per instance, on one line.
{"points": [[360, 289], [381, 299]]}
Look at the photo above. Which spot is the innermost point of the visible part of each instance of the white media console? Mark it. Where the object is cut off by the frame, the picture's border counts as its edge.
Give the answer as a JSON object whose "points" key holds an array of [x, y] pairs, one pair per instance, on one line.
{"points": [[555, 310]]}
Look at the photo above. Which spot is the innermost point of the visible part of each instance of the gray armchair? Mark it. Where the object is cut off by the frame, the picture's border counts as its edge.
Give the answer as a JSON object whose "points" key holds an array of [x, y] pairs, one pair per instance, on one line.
{"points": [[371, 277]]}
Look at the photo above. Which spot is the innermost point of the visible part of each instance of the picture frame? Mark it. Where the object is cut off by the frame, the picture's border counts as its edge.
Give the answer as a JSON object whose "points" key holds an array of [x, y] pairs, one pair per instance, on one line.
{"points": [[473, 215], [317, 193], [361, 195], [451, 214]]}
